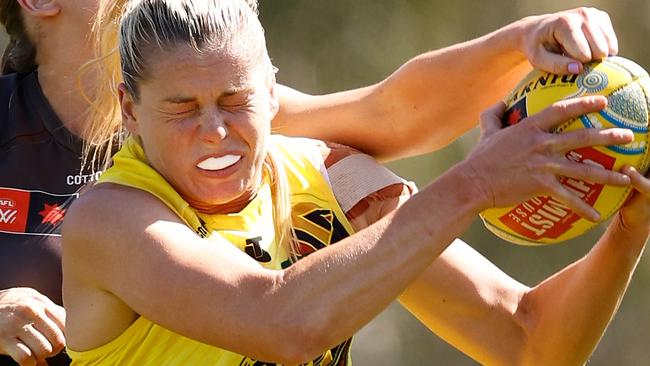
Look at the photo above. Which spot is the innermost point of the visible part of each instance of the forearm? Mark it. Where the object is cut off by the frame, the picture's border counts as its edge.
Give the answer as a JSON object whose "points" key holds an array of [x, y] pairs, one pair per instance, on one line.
{"points": [[423, 106], [359, 276], [438, 96], [580, 300]]}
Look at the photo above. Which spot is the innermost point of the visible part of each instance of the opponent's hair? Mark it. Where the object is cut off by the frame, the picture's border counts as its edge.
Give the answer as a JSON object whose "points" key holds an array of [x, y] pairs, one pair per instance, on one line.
{"points": [[151, 27], [20, 53]]}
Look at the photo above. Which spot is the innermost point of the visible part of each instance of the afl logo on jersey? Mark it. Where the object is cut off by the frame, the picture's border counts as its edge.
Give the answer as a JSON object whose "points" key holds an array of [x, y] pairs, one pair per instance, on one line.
{"points": [[7, 211], [32, 212], [7, 203], [14, 205]]}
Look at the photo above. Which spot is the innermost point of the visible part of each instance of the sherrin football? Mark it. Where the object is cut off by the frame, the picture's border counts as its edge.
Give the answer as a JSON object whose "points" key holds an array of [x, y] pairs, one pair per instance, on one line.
{"points": [[545, 220]]}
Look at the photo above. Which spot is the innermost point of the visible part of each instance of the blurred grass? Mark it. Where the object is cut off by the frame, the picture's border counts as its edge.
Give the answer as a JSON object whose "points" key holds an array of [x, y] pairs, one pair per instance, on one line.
{"points": [[326, 46]]}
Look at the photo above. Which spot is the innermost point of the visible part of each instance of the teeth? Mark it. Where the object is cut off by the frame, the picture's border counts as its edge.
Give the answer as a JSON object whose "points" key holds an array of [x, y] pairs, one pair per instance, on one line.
{"points": [[219, 163]]}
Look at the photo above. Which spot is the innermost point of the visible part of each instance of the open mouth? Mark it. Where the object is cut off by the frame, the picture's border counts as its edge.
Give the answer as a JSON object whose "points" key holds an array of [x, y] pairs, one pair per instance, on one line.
{"points": [[219, 163]]}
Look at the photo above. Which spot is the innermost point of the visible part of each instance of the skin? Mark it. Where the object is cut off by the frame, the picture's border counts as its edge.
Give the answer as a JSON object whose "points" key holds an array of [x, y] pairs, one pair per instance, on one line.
{"points": [[134, 259], [494, 62], [182, 112], [59, 29]]}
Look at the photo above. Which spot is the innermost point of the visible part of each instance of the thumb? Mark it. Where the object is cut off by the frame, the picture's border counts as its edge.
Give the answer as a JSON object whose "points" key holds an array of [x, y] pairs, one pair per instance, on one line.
{"points": [[491, 119]]}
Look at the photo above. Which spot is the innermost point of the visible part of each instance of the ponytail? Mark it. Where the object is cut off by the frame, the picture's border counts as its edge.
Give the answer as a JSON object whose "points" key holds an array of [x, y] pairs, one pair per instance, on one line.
{"points": [[20, 54]]}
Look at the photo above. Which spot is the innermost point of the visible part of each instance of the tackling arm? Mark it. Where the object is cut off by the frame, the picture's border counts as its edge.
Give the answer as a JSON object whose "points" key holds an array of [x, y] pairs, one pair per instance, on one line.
{"points": [[436, 97]]}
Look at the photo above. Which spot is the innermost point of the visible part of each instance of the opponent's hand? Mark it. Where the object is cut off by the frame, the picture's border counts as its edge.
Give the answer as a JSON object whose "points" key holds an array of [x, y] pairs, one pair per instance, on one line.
{"points": [[31, 326], [510, 165], [561, 42]]}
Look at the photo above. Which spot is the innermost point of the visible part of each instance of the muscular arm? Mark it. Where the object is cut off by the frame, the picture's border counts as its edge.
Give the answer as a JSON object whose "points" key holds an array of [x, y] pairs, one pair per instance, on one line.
{"points": [[423, 106], [498, 321], [214, 293], [436, 97]]}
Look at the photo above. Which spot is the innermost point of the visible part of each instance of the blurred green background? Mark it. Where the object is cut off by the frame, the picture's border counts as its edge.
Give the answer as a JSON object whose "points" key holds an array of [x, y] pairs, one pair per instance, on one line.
{"points": [[326, 46]]}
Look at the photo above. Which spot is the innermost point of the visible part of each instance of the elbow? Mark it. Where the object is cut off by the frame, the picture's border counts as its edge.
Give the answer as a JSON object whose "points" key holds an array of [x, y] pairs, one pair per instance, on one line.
{"points": [[299, 332], [538, 347], [303, 341]]}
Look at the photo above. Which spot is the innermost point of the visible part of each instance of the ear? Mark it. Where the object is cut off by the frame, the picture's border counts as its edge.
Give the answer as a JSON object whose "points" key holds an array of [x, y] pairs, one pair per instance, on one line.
{"points": [[274, 100], [40, 8], [127, 105]]}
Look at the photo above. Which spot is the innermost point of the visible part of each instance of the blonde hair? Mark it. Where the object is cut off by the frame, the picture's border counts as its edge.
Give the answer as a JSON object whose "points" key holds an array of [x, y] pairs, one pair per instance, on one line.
{"points": [[147, 26], [104, 132]]}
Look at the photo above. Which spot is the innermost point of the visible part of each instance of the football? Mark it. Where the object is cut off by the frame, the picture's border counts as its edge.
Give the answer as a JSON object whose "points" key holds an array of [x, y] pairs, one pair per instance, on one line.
{"points": [[545, 220]]}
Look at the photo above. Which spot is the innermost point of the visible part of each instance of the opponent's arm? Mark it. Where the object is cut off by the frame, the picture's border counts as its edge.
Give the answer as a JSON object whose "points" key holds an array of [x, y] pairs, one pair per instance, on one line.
{"points": [[437, 96]]}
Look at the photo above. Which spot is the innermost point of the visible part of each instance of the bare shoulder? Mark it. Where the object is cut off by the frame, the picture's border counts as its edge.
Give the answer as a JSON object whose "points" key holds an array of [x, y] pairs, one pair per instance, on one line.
{"points": [[105, 205], [107, 217]]}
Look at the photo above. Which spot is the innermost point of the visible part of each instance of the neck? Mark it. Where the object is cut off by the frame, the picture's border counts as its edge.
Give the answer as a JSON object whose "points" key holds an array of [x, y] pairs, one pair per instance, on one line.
{"points": [[232, 206], [58, 74]]}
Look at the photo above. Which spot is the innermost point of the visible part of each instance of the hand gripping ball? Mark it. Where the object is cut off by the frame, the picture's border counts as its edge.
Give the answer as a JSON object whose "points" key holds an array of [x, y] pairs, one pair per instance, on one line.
{"points": [[544, 220]]}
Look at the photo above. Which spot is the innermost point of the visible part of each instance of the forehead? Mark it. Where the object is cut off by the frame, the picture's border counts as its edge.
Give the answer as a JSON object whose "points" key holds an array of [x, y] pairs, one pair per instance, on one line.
{"points": [[185, 70]]}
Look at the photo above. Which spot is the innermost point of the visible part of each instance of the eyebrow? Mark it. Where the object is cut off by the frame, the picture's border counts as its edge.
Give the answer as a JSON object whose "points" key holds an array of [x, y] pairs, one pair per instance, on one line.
{"points": [[182, 100], [179, 100]]}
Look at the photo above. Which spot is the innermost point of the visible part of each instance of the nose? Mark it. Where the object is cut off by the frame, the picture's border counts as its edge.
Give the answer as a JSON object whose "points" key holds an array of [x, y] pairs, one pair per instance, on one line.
{"points": [[213, 127]]}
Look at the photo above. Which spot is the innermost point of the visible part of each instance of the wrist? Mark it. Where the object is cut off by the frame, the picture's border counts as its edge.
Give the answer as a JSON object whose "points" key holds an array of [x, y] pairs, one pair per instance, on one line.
{"points": [[627, 238], [468, 188], [512, 39]]}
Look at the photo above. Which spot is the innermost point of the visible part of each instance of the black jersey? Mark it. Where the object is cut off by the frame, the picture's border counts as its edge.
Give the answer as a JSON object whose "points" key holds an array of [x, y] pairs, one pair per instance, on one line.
{"points": [[39, 177]]}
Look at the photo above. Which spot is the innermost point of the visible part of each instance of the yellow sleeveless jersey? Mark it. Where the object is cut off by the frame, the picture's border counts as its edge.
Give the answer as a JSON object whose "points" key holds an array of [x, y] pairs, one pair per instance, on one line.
{"points": [[318, 221]]}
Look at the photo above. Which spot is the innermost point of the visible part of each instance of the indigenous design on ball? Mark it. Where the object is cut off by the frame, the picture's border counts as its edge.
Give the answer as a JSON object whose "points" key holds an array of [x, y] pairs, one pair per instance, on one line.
{"points": [[592, 82], [546, 220]]}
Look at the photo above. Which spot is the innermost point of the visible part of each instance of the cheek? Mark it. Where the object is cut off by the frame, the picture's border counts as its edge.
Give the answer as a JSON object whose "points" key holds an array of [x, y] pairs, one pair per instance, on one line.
{"points": [[163, 147]]}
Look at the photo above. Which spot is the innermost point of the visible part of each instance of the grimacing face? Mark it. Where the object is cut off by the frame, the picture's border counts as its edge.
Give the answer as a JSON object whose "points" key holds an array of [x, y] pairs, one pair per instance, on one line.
{"points": [[204, 120]]}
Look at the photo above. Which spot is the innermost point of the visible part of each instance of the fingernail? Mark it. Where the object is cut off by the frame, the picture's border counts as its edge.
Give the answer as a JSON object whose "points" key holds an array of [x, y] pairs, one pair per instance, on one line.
{"points": [[594, 217], [574, 68], [625, 179]]}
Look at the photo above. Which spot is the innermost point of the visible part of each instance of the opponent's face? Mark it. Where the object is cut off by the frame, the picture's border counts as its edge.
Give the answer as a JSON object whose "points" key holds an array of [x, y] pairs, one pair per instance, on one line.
{"points": [[204, 122]]}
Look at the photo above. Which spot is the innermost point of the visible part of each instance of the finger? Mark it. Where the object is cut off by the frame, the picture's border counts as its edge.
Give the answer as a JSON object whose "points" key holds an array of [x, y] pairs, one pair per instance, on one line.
{"points": [[39, 345], [590, 173], [565, 110], [52, 331], [569, 34], [571, 140], [19, 352], [56, 313], [639, 182], [597, 42], [555, 63], [575, 203], [608, 32], [491, 119]]}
